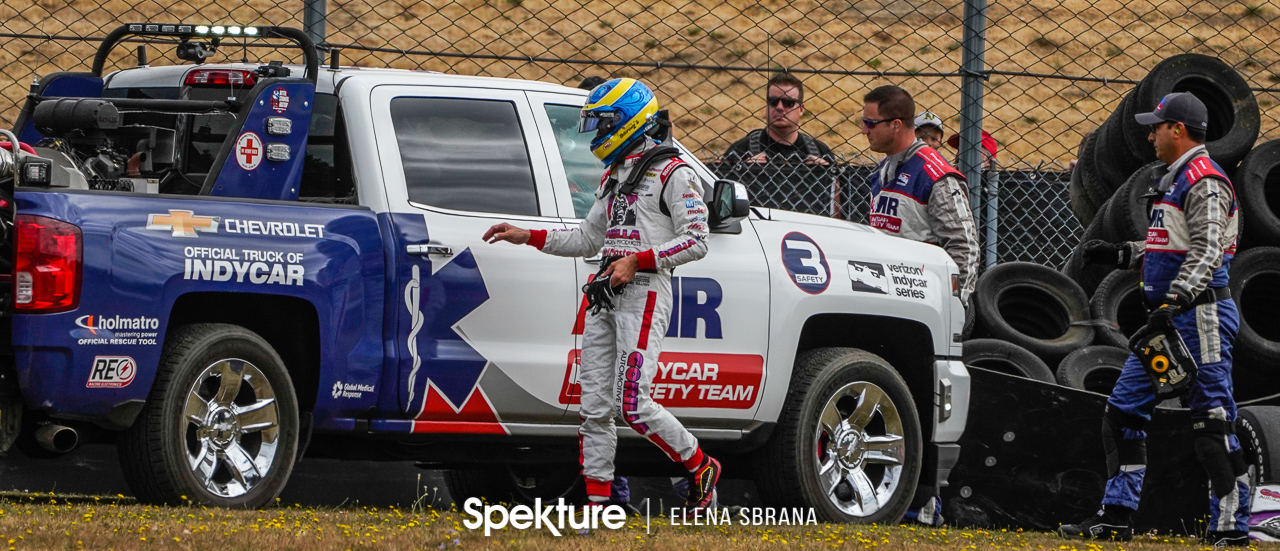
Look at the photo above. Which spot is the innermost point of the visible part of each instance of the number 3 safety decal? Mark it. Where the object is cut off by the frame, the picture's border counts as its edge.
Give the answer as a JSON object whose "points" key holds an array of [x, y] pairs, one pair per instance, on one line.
{"points": [[805, 263]]}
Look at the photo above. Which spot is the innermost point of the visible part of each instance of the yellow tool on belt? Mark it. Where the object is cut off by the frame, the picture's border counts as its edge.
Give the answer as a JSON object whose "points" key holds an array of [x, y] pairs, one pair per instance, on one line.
{"points": [[1165, 358]]}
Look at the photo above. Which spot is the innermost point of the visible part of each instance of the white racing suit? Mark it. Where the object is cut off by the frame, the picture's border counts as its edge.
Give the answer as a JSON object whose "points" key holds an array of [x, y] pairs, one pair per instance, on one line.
{"points": [[620, 347]]}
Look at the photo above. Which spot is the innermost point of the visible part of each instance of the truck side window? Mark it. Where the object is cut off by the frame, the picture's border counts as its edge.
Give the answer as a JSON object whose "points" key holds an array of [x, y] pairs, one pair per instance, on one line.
{"points": [[465, 154], [326, 170], [581, 167]]}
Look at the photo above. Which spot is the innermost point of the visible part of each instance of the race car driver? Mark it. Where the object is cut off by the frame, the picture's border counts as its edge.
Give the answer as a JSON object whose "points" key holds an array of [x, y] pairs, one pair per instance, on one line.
{"points": [[1190, 242], [642, 233], [915, 193]]}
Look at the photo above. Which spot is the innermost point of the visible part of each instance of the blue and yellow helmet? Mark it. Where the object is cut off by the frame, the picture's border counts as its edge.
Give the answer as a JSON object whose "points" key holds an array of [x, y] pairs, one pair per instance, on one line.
{"points": [[620, 112]]}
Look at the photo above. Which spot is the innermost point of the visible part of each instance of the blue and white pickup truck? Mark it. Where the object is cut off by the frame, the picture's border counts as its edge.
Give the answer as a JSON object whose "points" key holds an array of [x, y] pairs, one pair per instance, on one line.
{"points": [[221, 267]]}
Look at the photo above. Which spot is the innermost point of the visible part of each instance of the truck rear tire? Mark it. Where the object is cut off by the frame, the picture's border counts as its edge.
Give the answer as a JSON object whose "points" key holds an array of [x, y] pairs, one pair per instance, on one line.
{"points": [[848, 442], [220, 426]]}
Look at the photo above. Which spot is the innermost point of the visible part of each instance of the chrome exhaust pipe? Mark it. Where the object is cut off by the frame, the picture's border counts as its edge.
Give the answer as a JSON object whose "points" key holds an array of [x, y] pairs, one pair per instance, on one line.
{"points": [[57, 438]]}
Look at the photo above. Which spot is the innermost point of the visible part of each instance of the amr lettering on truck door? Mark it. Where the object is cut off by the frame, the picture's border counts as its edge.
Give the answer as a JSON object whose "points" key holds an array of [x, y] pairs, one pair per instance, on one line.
{"points": [[474, 320]]}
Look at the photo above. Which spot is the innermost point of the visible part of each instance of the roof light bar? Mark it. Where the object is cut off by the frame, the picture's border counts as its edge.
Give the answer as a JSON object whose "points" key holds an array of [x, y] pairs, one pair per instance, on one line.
{"points": [[185, 30]]}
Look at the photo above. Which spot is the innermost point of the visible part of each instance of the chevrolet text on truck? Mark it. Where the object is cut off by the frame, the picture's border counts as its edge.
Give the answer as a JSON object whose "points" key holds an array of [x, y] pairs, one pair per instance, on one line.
{"points": [[223, 267]]}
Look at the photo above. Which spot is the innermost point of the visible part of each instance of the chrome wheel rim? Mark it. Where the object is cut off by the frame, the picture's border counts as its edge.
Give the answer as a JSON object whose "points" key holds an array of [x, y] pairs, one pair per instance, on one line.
{"points": [[860, 449], [231, 428]]}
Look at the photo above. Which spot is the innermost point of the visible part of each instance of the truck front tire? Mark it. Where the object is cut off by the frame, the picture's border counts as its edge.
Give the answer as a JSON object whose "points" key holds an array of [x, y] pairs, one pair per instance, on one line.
{"points": [[220, 426], [848, 442]]}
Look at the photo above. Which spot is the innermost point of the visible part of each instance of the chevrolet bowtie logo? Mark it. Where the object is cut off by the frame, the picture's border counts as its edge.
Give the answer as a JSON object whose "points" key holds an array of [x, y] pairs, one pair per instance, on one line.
{"points": [[183, 223]]}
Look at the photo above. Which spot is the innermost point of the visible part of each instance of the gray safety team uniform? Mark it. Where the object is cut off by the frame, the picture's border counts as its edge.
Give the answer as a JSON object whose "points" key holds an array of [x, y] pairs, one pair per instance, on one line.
{"points": [[1191, 240], [918, 195], [621, 346]]}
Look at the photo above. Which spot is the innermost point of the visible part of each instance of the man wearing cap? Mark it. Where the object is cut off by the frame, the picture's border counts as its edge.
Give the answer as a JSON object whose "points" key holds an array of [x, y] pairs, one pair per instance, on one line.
{"points": [[1184, 262], [915, 193], [929, 129], [988, 148]]}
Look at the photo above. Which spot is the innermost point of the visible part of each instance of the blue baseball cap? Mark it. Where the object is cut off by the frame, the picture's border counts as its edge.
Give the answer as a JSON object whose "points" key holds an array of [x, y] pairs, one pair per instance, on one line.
{"points": [[1180, 107]]}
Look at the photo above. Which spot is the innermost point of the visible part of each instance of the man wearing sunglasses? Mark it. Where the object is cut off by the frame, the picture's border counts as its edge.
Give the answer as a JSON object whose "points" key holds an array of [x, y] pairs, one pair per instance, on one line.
{"points": [[783, 167], [781, 140], [1184, 262], [915, 193]]}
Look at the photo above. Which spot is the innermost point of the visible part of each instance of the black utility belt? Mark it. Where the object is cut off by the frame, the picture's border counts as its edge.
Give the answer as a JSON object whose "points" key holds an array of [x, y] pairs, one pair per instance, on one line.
{"points": [[1208, 296], [1211, 295]]}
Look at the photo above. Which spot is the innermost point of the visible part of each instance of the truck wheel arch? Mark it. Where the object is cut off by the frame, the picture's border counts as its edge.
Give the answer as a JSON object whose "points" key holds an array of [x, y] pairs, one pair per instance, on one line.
{"points": [[292, 329], [905, 344]]}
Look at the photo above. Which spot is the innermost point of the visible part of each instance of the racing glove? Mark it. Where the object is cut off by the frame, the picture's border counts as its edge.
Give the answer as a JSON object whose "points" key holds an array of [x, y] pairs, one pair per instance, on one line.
{"points": [[600, 293], [1174, 303], [1097, 251]]}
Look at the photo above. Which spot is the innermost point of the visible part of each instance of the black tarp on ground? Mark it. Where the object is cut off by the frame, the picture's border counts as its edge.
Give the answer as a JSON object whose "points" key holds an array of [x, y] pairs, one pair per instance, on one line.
{"points": [[1031, 457]]}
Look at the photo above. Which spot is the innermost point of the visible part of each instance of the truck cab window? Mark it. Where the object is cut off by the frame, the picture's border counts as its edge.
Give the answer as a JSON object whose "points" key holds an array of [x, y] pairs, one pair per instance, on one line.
{"points": [[581, 167], [465, 154], [326, 170]]}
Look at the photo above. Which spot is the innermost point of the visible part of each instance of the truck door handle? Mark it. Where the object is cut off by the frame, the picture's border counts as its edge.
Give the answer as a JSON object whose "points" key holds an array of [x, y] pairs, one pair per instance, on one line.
{"points": [[594, 259], [422, 250]]}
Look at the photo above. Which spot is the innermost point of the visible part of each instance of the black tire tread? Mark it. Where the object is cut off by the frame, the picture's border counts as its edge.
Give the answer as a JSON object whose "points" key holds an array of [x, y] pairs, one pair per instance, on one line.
{"points": [[779, 453], [1032, 367], [1261, 225], [1070, 296], [142, 457], [1256, 352], [1265, 437], [1078, 364], [773, 487], [1104, 306]]}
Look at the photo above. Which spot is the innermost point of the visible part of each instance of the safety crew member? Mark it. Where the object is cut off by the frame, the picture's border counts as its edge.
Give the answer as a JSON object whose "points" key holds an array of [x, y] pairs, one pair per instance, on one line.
{"points": [[1184, 261], [915, 193], [642, 233]]}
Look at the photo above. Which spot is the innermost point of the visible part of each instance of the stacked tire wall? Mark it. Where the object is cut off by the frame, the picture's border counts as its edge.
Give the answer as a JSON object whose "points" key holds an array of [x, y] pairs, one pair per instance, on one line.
{"points": [[1117, 171]]}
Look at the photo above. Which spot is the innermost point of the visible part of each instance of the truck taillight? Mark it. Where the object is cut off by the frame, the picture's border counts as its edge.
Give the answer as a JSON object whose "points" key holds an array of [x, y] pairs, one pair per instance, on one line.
{"points": [[221, 77], [47, 268]]}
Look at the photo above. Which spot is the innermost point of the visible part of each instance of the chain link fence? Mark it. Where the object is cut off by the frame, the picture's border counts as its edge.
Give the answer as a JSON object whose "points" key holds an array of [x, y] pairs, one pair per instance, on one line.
{"points": [[1049, 71]]}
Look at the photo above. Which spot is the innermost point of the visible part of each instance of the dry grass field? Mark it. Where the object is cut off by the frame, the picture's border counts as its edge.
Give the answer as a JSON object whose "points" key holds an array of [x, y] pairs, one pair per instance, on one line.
{"points": [[78, 522], [845, 46]]}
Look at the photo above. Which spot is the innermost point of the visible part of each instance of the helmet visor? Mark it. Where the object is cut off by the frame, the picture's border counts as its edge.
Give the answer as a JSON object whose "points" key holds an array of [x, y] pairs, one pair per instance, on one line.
{"points": [[593, 121]]}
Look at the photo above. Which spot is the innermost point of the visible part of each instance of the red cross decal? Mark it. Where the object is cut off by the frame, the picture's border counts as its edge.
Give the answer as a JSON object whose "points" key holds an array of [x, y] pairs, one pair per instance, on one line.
{"points": [[250, 150]]}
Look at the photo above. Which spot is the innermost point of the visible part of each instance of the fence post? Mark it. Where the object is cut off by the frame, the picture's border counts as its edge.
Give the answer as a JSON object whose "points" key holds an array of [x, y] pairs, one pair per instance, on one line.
{"points": [[313, 14], [971, 90], [989, 227]]}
